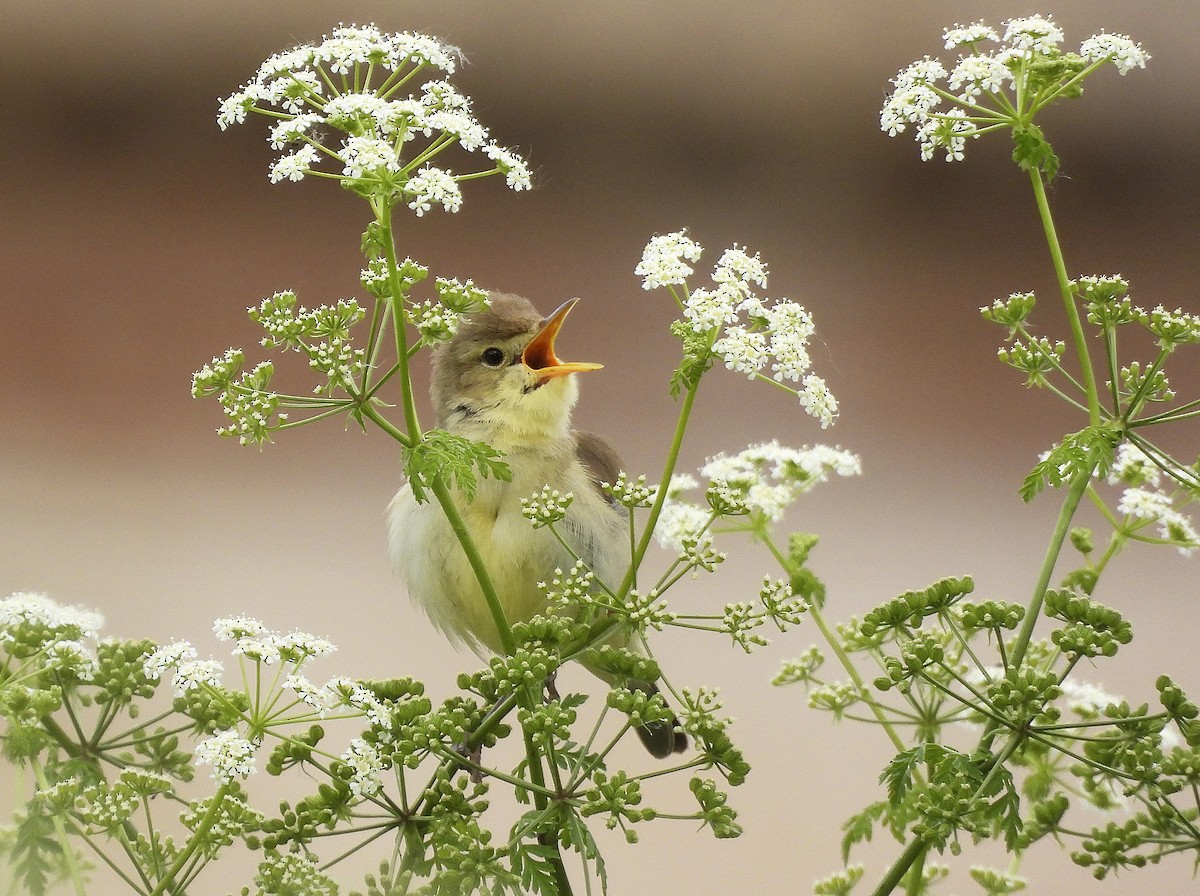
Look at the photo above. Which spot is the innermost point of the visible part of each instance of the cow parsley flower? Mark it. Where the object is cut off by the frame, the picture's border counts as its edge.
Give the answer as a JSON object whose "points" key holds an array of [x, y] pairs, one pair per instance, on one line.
{"points": [[734, 324], [364, 763], [30, 608], [1124, 53], [1133, 466], [169, 656], [665, 260], [680, 523], [1150, 504], [230, 755], [761, 481], [340, 100], [192, 674], [969, 36], [1001, 88], [433, 186]]}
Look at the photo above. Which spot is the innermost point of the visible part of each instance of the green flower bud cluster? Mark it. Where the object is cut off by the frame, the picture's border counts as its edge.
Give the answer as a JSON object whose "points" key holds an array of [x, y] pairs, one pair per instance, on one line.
{"points": [[904, 613], [990, 615], [719, 817], [618, 797], [1092, 629], [1027, 694]]}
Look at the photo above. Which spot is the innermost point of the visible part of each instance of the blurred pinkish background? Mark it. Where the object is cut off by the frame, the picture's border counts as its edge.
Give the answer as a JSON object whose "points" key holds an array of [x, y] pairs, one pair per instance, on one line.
{"points": [[135, 234]]}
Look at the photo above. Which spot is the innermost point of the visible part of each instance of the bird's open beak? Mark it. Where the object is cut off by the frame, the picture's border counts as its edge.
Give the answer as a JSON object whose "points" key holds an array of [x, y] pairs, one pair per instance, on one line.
{"points": [[539, 354]]}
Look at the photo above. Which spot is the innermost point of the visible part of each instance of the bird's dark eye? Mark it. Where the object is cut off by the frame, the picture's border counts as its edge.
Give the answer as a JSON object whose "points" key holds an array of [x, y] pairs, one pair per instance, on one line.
{"points": [[492, 357]]}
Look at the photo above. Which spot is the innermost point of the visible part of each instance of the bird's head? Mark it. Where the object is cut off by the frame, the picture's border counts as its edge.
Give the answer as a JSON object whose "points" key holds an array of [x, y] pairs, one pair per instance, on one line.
{"points": [[499, 381]]}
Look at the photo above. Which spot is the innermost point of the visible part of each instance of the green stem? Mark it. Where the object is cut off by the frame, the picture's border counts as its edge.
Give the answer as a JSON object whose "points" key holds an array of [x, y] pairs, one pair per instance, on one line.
{"points": [[1068, 296], [1054, 549], [193, 843], [685, 412], [383, 215], [914, 851], [446, 500], [60, 833], [537, 777], [814, 613]]}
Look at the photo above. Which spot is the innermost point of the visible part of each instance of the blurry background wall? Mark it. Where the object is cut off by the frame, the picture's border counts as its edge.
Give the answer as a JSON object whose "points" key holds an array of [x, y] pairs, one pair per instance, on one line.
{"points": [[135, 234]]}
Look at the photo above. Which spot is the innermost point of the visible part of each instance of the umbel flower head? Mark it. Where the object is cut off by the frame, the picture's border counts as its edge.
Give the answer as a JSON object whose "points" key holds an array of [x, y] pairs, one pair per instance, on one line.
{"points": [[1004, 88], [347, 102], [731, 323]]}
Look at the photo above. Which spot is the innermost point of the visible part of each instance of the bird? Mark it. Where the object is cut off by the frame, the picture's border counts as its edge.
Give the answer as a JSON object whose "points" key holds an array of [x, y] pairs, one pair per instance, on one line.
{"points": [[499, 381]]}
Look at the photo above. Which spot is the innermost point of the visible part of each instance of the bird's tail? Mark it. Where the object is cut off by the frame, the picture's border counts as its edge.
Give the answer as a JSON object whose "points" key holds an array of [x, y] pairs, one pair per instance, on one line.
{"points": [[661, 739]]}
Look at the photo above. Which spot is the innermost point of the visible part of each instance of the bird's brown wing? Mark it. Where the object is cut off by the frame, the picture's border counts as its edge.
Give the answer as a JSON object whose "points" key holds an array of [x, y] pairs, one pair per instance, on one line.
{"points": [[598, 457]]}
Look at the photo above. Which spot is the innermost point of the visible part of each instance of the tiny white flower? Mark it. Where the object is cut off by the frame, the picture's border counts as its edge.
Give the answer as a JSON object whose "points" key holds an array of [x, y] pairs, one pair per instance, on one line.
{"points": [[1134, 466], [433, 185], [818, 402], [1124, 52], [295, 165], [169, 656], [665, 260], [974, 75], [743, 350], [971, 34], [1032, 34], [230, 628], [680, 482], [230, 755], [515, 169], [707, 309], [365, 766], [737, 267], [680, 523], [352, 111], [292, 130], [191, 674], [366, 156]]}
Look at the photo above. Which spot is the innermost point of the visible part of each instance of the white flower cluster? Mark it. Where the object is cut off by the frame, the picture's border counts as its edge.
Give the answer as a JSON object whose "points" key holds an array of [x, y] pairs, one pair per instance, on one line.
{"points": [[974, 88], [255, 641], [764, 479], [365, 764], [761, 480], [191, 672], [749, 333], [351, 83], [630, 492], [1144, 499], [29, 608], [230, 755], [665, 260], [545, 507], [49, 635]]}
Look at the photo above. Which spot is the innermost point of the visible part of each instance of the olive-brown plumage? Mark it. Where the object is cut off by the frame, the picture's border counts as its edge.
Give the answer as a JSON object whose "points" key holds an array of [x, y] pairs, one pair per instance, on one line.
{"points": [[499, 381]]}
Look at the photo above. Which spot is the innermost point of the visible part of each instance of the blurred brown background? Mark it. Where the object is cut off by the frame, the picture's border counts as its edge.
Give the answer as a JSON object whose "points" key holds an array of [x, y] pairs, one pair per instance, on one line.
{"points": [[135, 234]]}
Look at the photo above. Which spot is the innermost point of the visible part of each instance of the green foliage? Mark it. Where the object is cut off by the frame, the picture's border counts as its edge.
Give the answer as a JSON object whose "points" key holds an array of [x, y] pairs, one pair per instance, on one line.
{"points": [[1085, 453], [445, 457]]}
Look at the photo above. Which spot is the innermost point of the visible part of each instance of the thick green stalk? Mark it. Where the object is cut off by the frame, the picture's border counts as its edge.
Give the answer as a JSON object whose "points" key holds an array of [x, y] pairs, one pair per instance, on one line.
{"points": [[1061, 529], [383, 215], [1068, 295], [186, 855], [660, 498]]}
